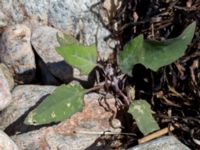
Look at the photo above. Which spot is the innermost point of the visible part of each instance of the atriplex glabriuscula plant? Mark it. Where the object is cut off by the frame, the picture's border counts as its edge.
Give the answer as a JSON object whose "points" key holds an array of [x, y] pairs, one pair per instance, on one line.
{"points": [[67, 99]]}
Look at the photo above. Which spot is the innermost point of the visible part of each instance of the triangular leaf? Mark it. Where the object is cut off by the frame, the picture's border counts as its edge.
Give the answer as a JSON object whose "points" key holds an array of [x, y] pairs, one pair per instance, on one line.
{"points": [[154, 54], [79, 56], [64, 102], [141, 111]]}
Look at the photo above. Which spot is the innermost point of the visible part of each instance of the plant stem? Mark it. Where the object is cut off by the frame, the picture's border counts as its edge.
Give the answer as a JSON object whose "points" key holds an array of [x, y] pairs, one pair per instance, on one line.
{"points": [[97, 87]]}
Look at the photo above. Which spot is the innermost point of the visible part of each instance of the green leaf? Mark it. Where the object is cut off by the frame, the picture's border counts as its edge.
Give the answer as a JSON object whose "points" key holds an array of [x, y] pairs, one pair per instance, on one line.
{"points": [[131, 55], [141, 111], [79, 56], [64, 102], [64, 39], [154, 54]]}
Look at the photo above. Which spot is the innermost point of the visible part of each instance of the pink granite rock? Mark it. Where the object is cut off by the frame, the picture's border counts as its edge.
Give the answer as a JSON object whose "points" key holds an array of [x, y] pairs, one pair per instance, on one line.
{"points": [[5, 95], [78, 132], [6, 143], [16, 52]]}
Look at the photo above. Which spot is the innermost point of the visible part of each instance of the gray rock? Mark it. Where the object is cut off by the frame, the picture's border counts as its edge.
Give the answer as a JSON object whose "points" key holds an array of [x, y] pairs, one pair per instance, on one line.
{"points": [[6, 143], [33, 141], [104, 48], [17, 11], [7, 75], [5, 95], [20, 10], [24, 97], [71, 17], [17, 54], [74, 12], [163, 143], [37, 9], [50, 140], [79, 20], [30, 140], [76, 142], [5, 6], [44, 42], [3, 19]]}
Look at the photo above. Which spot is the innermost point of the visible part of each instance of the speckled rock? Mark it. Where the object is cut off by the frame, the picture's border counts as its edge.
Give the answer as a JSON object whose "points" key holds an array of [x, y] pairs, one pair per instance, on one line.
{"points": [[3, 19], [163, 143], [37, 10], [17, 54], [20, 10], [71, 134], [74, 142], [79, 20], [5, 95], [7, 75], [30, 140], [44, 42], [71, 17], [6, 143], [77, 16], [24, 97]]}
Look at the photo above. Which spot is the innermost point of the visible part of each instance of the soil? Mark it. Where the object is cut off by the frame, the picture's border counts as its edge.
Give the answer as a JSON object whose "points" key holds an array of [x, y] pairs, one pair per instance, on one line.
{"points": [[174, 90]]}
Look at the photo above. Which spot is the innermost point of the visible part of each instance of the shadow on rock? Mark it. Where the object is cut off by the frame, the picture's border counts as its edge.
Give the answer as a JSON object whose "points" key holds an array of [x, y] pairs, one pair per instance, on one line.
{"points": [[19, 127]]}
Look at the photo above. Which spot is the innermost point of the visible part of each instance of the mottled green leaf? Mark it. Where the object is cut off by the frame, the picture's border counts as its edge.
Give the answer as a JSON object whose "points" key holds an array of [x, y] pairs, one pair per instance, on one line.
{"points": [[64, 102], [154, 54], [79, 56], [141, 111]]}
